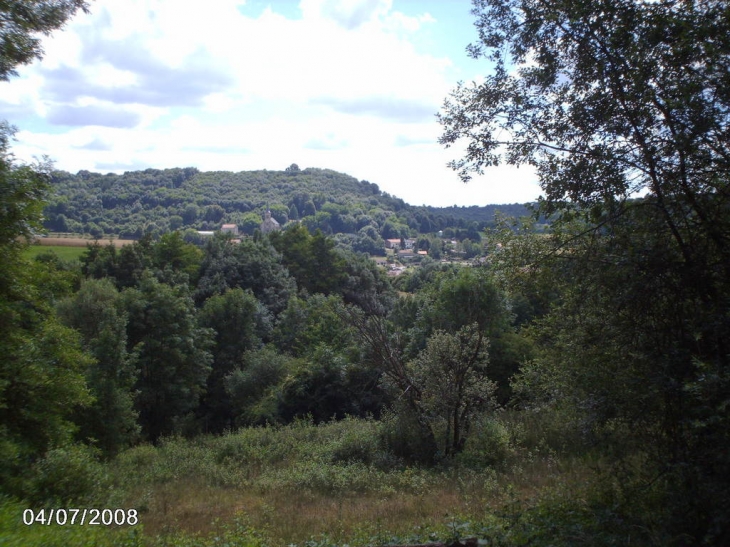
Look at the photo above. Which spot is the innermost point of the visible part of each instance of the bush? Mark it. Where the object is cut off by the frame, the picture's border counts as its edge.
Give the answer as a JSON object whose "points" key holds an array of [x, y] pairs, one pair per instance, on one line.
{"points": [[403, 437], [68, 475], [490, 444], [359, 441]]}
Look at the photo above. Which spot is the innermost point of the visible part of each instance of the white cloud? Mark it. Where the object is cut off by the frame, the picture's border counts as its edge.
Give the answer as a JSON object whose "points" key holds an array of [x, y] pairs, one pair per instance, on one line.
{"points": [[166, 83], [350, 14]]}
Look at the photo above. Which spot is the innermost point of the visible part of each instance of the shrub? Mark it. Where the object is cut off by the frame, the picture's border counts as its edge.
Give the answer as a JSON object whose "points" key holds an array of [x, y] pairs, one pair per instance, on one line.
{"points": [[489, 444], [403, 437], [67, 475]]}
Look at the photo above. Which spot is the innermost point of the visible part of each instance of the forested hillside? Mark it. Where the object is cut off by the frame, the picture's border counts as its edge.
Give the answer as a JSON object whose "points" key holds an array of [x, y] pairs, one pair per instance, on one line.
{"points": [[156, 201]]}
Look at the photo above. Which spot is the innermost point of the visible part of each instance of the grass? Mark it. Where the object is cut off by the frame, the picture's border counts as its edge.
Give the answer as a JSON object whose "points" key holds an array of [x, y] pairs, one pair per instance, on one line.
{"points": [[337, 484], [301, 481], [63, 252]]}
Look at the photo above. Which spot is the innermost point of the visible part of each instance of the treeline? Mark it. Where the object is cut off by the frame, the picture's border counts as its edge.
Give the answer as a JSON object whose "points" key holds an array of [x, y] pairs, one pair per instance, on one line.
{"points": [[157, 201], [162, 337]]}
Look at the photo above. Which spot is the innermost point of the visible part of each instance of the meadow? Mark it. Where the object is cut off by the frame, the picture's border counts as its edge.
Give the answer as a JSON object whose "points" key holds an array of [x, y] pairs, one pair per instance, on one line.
{"points": [[64, 252], [67, 246], [330, 484]]}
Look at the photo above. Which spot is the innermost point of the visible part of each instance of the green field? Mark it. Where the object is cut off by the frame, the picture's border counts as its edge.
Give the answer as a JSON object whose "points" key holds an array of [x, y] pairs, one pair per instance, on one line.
{"points": [[63, 252]]}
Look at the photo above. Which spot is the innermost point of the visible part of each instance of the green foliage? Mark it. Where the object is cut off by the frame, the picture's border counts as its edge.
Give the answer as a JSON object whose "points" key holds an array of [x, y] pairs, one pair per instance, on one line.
{"points": [[449, 299], [239, 322], [310, 259], [323, 386], [171, 352], [606, 99], [172, 252], [490, 443], [250, 264], [67, 476], [310, 322], [451, 376], [95, 311], [19, 43], [41, 372], [154, 201], [405, 436], [252, 386], [22, 188], [465, 296]]}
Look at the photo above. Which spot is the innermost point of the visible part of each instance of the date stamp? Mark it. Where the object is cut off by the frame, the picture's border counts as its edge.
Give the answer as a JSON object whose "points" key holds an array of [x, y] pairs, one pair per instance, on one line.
{"points": [[81, 517]]}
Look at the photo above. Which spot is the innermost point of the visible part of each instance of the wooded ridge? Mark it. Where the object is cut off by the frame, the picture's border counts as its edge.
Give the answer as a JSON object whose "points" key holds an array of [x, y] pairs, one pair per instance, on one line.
{"points": [[156, 201]]}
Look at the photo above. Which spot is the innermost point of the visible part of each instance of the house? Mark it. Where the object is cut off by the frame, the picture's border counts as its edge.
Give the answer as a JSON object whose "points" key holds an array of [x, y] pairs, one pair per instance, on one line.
{"points": [[392, 243], [269, 224], [230, 229]]}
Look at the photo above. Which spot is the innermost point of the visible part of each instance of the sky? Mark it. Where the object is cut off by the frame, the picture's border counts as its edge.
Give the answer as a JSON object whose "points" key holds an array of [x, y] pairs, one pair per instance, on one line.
{"points": [[233, 85]]}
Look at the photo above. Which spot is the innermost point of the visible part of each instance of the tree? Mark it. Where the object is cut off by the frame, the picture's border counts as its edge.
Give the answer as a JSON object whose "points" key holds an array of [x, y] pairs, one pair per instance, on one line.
{"points": [[22, 188], [252, 387], [42, 365], [451, 372], [172, 252], [254, 265], [457, 298], [317, 387], [21, 21], [249, 223], [239, 322], [311, 259], [606, 99], [95, 312], [383, 346], [172, 355]]}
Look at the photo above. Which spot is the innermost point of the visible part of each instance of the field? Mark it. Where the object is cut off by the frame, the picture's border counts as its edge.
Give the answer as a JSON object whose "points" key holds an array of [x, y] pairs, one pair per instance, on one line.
{"points": [[67, 247], [328, 485], [63, 252]]}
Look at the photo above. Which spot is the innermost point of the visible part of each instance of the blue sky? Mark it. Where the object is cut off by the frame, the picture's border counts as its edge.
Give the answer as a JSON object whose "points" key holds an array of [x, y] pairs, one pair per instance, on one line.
{"points": [[350, 85]]}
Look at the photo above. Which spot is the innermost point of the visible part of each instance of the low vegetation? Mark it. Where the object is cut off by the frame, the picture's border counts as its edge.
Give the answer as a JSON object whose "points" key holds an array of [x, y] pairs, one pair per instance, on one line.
{"points": [[328, 484]]}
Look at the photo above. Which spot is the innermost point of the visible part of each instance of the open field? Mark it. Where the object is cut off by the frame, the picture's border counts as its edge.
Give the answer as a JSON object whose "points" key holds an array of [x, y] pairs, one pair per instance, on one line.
{"points": [[63, 252], [331, 485], [68, 247], [73, 240]]}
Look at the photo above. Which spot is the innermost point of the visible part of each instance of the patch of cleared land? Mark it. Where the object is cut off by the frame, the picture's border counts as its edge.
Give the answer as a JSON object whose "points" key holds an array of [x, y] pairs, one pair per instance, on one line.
{"points": [[68, 247]]}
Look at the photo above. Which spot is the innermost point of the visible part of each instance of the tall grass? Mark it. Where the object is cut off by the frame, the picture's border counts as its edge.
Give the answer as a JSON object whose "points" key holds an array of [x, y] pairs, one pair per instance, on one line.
{"points": [[338, 483]]}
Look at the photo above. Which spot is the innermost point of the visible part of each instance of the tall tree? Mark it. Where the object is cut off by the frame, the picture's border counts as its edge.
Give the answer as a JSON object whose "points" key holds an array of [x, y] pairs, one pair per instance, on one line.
{"points": [[42, 365], [607, 99], [239, 322], [41, 371], [172, 355], [95, 312], [253, 265], [311, 259]]}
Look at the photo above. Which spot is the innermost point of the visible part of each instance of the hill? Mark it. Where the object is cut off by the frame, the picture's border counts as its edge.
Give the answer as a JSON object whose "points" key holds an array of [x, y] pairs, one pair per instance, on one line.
{"points": [[156, 201]]}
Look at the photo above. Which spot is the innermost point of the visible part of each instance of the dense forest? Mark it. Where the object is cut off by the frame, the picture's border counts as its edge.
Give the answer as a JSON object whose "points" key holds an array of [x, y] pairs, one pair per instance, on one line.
{"points": [[156, 201], [571, 388]]}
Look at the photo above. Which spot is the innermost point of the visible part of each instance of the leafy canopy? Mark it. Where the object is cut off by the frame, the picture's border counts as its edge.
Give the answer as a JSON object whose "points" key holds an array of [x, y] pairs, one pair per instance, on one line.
{"points": [[605, 98], [20, 23]]}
